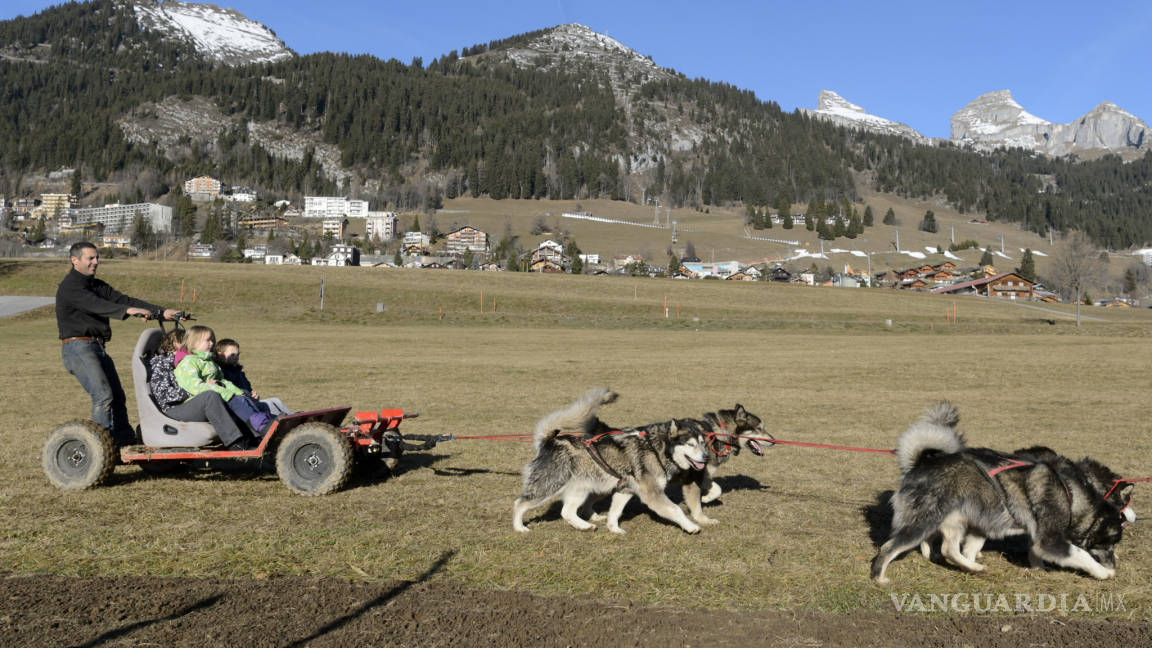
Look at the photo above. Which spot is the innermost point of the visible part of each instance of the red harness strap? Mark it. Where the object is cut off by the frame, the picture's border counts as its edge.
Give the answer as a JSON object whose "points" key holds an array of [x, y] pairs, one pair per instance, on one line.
{"points": [[590, 446], [1015, 463]]}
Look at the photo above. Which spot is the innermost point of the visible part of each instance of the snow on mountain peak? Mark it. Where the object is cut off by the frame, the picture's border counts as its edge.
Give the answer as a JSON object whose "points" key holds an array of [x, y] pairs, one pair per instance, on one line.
{"points": [[222, 35], [832, 107]]}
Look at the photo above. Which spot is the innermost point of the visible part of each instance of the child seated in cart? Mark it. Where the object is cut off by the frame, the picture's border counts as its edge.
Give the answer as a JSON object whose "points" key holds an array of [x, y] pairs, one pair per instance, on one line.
{"points": [[228, 359], [161, 369], [197, 372]]}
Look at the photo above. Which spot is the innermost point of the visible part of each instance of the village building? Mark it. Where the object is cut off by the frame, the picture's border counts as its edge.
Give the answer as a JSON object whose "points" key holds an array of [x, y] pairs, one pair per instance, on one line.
{"points": [[118, 219], [549, 257], [416, 243], [466, 239], [257, 222], [335, 226], [202, 188], [334, 207], [1007, 285], [381, 225]]}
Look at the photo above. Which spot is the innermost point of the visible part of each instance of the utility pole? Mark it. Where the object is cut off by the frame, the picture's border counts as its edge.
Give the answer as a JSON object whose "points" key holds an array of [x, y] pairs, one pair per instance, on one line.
{"points": [[953, 234], [897, 240]]}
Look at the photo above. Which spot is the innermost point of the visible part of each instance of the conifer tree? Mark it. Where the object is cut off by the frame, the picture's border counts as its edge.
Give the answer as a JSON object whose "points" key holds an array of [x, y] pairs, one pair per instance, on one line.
{"points": [[1027, 267], [986, 258], [787, 220], [889, 217], [928, 224], [868, 217]]}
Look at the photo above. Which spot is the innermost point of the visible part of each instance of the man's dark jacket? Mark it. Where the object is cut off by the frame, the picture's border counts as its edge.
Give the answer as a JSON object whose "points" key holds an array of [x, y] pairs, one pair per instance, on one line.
{"points": [[84, 304]]}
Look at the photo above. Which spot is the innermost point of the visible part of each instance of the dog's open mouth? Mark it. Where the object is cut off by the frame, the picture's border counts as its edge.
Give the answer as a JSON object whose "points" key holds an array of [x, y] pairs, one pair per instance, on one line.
{"points": [[755, 448], [698, 465]]}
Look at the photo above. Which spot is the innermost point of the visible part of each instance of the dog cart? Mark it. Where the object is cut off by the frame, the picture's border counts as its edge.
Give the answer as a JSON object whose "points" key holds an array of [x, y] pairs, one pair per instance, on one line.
{"points": [[313, 452]]}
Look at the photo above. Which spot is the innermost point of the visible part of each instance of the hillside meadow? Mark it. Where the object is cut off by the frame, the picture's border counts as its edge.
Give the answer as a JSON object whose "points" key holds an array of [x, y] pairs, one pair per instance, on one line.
{"points": [[479, 353]]}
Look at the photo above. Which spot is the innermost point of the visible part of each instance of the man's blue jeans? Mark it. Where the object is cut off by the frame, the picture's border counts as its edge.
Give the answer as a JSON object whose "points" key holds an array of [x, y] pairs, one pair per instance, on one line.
{"points": [[96, 372]]}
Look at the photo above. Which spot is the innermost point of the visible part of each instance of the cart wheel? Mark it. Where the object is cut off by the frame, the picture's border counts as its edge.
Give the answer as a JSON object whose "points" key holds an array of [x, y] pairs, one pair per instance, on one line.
{"points": [[78, 455], [314, 459]]}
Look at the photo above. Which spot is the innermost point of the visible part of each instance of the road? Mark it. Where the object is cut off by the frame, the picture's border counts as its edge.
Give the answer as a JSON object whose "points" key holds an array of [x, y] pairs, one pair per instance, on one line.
{"points": [[10, 305]]}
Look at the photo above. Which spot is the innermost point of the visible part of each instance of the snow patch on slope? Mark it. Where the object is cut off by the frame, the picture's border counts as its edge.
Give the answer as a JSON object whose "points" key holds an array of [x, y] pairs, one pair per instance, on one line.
{"points": [[222, 35]]}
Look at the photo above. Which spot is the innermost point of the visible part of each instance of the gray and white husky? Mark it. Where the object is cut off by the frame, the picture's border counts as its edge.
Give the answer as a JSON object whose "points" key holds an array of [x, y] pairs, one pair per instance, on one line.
{"points": [[577, 458], [966, 495]]}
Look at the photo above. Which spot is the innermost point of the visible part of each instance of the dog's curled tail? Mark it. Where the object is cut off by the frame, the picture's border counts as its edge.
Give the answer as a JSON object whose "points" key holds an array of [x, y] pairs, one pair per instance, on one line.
{"points": [[576, 418], [936, 430]]}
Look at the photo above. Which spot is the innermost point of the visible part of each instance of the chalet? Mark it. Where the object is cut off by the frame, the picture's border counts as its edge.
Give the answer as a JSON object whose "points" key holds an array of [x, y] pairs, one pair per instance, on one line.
{"points": [[466, 239], [545, 265], [1008, 285], [491, 266], [915, 283], [946, 266], [940, 277], [779, 274], [741, 275], [548, 257], [905, 274]]}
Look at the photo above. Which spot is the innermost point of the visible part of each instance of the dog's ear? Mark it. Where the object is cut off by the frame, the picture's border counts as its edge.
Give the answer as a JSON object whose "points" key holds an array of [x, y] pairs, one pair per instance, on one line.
{"points": [[672, 427], [738, 410]]}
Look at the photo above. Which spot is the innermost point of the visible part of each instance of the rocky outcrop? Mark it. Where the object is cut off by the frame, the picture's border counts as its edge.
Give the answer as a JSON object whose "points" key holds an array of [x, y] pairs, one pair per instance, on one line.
{"points": [[220, 35], [836, 109], [995, 120]]}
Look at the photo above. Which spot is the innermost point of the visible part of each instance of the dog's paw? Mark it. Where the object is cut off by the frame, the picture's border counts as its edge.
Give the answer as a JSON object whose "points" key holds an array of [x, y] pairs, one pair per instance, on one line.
{"points": [[521, 529], [617, 530], [1104, 573], [692, 529], [706, 521], [609, 397], [883, 580], [597, 517]]}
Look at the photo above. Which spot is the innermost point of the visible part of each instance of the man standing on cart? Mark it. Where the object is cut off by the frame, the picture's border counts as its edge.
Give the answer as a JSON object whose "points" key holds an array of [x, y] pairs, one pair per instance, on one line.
{"points": [[83, 306]]}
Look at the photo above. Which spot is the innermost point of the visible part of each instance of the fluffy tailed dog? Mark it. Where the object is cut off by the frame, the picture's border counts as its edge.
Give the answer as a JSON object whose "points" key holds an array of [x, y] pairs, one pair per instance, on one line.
{"points": [[969, 494], [576, 457]]}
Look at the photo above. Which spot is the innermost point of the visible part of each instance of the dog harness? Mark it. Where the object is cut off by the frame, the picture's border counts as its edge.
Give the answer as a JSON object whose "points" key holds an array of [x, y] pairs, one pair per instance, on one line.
{"points": [[990, 474], [589, 444]]}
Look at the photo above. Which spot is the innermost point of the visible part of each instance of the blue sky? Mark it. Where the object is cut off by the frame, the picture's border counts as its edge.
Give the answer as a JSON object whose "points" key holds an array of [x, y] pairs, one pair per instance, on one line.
{"points": [[915, 62]]}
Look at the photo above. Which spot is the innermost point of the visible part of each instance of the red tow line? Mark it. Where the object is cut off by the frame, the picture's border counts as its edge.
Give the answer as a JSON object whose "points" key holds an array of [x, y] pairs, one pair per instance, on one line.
{"points": [[804, 444]]}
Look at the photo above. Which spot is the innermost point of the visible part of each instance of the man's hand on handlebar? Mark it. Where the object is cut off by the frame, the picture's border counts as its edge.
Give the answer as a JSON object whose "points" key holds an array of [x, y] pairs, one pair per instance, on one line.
{"points": [[169, 314]]}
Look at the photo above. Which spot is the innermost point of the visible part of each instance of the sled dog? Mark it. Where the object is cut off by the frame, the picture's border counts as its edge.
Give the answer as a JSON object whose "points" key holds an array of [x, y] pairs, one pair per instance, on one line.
{"points": [[723, 425], [577, 457], [967, 495]]}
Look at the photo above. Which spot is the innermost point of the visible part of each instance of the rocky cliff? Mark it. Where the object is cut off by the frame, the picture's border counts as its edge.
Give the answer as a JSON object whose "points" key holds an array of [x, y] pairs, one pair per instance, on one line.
{"points": [[995, 120]]}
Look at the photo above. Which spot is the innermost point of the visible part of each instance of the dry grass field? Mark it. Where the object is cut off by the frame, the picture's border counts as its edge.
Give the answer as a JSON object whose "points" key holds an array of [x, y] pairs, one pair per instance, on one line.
{"points": [[798, 526]]}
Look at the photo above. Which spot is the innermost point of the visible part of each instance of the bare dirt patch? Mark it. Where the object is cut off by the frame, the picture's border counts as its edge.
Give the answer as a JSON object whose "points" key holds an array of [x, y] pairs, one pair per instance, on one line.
{"points": [[132, 611]]}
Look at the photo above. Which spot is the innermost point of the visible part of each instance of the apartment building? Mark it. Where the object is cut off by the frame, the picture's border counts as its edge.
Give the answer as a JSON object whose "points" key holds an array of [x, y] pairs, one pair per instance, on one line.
{"points": [[202, 188], [334, 206], [117, 219], [381, 225]]}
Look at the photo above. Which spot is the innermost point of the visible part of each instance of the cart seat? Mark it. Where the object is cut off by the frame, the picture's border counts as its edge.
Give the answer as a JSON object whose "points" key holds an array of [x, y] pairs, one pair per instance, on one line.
{"points": [[156, 429]]}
